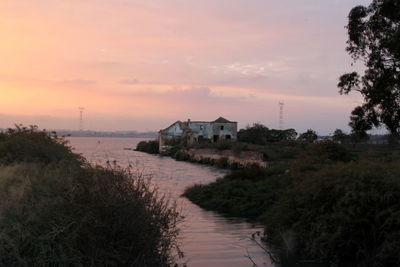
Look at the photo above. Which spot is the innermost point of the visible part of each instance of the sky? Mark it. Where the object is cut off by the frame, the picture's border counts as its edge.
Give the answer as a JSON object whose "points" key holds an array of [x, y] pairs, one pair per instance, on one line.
{"points": [[144, 64]]}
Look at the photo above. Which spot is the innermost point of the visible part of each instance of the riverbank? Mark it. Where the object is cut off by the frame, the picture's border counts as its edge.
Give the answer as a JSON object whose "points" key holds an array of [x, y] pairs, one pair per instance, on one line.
{"points": [[329, 206], [207, 238], [58, 210], [223, 154]]}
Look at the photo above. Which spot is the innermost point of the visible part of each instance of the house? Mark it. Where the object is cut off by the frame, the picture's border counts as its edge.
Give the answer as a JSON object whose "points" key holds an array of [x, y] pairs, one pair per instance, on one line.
{"points": [[189, 132]]}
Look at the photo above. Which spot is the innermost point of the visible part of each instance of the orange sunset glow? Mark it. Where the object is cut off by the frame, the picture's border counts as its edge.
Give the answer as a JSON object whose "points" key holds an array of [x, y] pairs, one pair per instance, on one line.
{"points": [[139, 65]]}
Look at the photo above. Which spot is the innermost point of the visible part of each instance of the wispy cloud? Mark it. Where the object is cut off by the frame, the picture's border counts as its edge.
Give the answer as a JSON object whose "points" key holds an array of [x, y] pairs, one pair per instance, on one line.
{"points": [[165, 58], [129, 81], [76, 82]]}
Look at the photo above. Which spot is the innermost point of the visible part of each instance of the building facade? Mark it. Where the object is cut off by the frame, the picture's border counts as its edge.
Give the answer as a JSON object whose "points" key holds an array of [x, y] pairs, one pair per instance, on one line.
{"points": [[189, 132]]}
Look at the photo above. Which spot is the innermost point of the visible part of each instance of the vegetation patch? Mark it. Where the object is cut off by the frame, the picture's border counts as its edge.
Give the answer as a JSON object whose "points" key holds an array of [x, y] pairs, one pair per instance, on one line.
{"points": [[62, 211], [151, 147], [330, 205]]}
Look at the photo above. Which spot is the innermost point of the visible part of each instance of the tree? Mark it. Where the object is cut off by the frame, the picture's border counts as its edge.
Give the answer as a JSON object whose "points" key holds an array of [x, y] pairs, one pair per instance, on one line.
{"points": [[359, 124], [289, 134], [339, 136], [274, 135], [261, 135], [256, 134], [374, 39], [309, 136]]}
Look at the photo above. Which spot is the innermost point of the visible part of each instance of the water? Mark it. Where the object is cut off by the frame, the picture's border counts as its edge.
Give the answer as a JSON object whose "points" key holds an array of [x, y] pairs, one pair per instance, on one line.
{"points": [[207, 238]]}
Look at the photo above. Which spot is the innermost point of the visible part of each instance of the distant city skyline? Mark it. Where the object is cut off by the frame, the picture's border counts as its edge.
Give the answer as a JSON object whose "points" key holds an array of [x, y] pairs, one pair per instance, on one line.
{"points": [[141, 65]]}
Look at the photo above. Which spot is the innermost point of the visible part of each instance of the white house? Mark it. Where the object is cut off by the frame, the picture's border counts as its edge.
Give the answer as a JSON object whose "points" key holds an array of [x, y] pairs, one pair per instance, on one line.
{"points": [[189, 132]]}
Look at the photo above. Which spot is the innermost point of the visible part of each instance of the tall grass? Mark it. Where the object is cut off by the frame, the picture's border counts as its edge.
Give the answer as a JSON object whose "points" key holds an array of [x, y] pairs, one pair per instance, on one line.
{"points": [[329, 207], [69, 213]]}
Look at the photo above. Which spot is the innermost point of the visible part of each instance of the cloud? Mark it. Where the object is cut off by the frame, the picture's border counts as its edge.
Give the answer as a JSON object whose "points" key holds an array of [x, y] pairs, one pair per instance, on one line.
{"points": [[76, 82], [253, 69], [129, 81]]}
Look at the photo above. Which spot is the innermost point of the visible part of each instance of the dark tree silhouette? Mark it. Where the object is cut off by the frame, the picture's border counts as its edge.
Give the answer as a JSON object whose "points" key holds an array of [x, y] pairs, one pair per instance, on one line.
{"points": [[339, 136], [259, 134], [359, 124], [374, 39], [309, 136]]}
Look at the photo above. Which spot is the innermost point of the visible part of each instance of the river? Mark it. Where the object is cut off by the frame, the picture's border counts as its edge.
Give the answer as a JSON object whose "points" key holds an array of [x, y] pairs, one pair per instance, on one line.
{"points": [[207, 238]]}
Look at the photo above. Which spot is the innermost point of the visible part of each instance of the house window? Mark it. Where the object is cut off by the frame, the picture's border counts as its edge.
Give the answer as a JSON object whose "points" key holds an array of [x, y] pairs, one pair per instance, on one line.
{"points": [[222, 127], [201, 127]]}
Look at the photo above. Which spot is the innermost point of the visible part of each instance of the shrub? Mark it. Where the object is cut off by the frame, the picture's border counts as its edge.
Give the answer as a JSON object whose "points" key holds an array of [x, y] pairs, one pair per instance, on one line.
{"points": [[24, 144], [223, 162], [181, 155], [224, 144], [238, 197], [58, 212], [56, 215], [342, 215], [317, 155], [256, 173], [151, 147]]}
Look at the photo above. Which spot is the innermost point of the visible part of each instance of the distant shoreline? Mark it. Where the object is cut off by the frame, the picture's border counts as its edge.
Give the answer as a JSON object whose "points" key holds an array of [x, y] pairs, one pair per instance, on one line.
{"points": [[89, 133], [123, 134]]}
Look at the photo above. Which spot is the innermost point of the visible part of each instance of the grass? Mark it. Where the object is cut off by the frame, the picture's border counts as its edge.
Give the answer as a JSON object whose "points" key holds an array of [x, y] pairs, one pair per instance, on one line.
{"points": [[65, 212], [328, 205]]}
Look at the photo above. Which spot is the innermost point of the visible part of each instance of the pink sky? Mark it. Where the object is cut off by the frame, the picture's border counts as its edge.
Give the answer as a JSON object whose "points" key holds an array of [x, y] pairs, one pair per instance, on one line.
{"points": [[140, 65]]}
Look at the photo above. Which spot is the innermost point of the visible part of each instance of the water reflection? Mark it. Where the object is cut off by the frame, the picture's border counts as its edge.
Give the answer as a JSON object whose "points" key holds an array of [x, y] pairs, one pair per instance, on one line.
{"points": [[208, 239]]}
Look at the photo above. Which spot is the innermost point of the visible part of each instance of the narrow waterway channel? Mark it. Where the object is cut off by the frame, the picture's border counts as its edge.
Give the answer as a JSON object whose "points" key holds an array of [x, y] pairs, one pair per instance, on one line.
{"points": [[207, 238]]}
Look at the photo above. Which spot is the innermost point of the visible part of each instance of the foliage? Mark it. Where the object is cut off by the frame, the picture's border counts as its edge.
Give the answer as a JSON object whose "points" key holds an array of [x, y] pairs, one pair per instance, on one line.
{"points": [[181, 155], [256, 173], [224, 144], [331, 207], [151, 146], [374, 38], [320, 154], [359, 124], [339, 136], [238, 195], [60, 213], [342, 215], [261, 135], [308, 136], [24, 144], [223, 163], [255, 134]]}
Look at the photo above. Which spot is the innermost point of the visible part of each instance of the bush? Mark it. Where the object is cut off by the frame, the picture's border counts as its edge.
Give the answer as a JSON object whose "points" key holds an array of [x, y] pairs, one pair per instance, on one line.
{"points": [[59, 213], [315, 156], [24, 144], [224, 144], [151, 147], [222, 162], [342, 215], [181, 155], [244, 193], [328, 207]]}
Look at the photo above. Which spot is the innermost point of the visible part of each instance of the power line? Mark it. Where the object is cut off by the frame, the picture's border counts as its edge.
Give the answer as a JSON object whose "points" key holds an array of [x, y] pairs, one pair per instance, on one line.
{"points": [[281, 104], [81, 109]]}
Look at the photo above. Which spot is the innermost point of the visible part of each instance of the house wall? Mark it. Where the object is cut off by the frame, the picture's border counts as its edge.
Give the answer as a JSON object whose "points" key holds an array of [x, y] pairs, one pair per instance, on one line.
{"points": [[228, 129], [209, 129], [206, 132], [174, 130]]}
